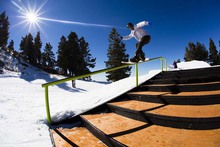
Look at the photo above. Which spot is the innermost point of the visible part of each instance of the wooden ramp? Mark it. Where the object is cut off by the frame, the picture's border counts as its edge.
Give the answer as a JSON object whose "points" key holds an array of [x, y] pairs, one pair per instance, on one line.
{"points": [[174, 108]]}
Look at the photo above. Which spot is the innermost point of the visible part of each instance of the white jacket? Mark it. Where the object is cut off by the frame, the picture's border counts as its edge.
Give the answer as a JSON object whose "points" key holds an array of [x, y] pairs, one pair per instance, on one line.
{"points": [[138, 32]]}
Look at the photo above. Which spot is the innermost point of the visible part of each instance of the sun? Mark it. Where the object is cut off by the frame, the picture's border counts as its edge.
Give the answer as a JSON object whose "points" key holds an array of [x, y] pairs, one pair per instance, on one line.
{"points": [[32, 17], [30, 14]]}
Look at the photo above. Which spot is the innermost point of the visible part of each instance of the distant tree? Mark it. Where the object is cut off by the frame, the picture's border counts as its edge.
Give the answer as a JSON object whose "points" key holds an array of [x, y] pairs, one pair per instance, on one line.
{"points": [[116, 54], [213, 53], [68, 54], [26, 47], [11, 46], [48, 57], [74, 57], [36, 52], [62, 54], [86, 59], [196, 52], [4, 29]]}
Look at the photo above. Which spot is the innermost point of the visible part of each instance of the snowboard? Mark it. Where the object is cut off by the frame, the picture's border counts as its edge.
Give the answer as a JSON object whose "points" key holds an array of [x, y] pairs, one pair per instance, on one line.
{"points": [[129, 62]]}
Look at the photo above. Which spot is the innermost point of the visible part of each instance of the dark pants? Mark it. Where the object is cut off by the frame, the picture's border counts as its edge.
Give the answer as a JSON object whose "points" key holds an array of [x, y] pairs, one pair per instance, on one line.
{"points": [[144, 40]]}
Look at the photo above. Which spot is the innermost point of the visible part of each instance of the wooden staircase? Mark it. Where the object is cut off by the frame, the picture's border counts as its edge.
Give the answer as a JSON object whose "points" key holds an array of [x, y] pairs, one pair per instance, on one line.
{"points": [[174, 108]]}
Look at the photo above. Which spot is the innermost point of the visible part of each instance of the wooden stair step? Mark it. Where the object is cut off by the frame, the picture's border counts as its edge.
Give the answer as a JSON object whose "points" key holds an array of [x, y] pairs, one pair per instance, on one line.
{"points": [[112, 123], [185, 80], [196, 93], [190, 72], [136, 105], [165, 136], [78, 136], [188, 84], [196, 117], [182, 87], [178, 116], [193, 111], [181, 98], [117, 126]]}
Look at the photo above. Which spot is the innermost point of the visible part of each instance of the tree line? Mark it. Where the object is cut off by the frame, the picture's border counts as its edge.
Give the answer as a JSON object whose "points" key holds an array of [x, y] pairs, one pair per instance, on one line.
{"points": [[198, 51], [73, 54]]}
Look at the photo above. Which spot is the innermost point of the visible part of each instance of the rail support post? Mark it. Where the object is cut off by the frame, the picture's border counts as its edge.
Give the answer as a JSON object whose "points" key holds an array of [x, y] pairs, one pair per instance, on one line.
{"points": [[136, 73], [162, 66], [47, 105]]}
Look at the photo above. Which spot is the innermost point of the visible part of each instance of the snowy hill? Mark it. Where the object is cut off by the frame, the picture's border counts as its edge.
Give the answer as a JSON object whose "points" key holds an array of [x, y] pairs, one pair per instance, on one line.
{"points": [[23, 114]]}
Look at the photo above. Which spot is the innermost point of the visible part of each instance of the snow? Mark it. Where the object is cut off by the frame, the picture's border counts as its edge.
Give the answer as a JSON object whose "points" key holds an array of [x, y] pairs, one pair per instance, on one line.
{"points": [[192, 64], [23, 113]]}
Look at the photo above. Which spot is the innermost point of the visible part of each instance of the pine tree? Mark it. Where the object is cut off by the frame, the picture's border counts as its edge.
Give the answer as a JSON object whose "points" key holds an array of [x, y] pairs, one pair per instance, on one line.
{"points": [[26, 47], [87, 61], [11, 46], [4, 29], [74, 57], [116, 54], [36, 52], [62, 54], [213, 53], [196, 52], [48, 57]]}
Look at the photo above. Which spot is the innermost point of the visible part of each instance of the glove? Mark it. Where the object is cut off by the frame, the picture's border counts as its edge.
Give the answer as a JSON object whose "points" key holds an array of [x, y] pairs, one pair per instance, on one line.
{"points": [[149, 23]]}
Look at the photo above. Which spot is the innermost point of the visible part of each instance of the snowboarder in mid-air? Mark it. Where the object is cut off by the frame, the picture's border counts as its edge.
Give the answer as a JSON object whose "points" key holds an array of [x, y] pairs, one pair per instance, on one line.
{"points": [[141, 36]]}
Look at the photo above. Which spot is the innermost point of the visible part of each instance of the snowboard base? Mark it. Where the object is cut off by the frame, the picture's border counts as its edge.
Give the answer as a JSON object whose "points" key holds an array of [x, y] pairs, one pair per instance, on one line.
{"points": [[129, 62]]}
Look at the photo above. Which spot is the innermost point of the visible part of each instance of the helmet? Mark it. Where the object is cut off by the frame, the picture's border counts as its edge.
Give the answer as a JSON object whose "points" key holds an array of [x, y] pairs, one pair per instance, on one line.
{"points": [[129, 25]]}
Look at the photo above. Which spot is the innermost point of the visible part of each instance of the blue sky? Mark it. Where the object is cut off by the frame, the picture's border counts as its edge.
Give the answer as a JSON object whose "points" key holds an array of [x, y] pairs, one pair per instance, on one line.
{"points": [[174, 23]]}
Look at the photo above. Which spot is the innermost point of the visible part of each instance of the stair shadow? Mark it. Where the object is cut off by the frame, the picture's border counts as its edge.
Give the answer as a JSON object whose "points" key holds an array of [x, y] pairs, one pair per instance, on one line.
{"points": [[129, 131], [65, 138]]}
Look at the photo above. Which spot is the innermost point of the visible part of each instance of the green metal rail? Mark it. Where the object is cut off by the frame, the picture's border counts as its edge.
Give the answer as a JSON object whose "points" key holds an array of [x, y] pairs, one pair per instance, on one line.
{"points": [[46, 85]]}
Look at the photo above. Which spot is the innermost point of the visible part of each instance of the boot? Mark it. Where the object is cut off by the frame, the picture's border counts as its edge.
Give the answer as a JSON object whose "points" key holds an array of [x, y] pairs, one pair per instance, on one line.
{"points": [[140, 55], [134, 59]]}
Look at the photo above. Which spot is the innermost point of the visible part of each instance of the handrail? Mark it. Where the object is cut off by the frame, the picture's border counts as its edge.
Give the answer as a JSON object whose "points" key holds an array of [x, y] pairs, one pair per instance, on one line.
{"points": [[46, 85]]}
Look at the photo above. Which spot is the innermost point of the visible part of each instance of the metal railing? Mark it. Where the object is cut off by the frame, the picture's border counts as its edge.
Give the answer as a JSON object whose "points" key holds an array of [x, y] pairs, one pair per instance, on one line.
{"points": [[46, 85]]}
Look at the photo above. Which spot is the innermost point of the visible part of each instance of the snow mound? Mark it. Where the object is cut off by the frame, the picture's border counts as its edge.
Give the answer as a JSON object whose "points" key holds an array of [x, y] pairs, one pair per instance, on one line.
{"points": [[192, 64]]}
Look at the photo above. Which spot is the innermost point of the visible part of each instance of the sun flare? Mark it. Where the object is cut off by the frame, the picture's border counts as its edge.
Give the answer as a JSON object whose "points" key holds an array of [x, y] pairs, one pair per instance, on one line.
{"points": [[31, 17], [30, 14]]}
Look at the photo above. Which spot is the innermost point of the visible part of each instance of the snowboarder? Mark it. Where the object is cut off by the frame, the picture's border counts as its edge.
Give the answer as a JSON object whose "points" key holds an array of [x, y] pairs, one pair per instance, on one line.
{"points": [[141, 36]]}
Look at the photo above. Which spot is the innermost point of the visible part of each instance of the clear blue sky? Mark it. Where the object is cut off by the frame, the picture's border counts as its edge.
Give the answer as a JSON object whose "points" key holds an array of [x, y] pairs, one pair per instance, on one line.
{"points": [[174, 23]]}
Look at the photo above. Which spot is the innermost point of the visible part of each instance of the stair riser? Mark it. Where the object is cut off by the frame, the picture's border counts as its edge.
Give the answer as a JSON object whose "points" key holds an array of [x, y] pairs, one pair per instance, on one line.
{"points": [[128, 113], [185, 123], [185, 81], [194, 75], [178, 100], [147, 98], [169, 121], [186, 73], [176, 89]]}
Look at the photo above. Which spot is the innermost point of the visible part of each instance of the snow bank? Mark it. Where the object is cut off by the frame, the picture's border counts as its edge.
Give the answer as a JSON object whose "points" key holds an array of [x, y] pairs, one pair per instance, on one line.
{"points": [[192, 64]]}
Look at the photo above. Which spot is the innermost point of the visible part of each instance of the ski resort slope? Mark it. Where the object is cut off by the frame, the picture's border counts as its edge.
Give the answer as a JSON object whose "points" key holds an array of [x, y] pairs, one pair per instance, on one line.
{"points": [[22, 105]]}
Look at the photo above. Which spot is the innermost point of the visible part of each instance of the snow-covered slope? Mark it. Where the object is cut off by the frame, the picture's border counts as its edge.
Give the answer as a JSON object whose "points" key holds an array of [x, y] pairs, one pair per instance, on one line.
{"points": [[23, 114], [8, 61], [22, 105]]}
